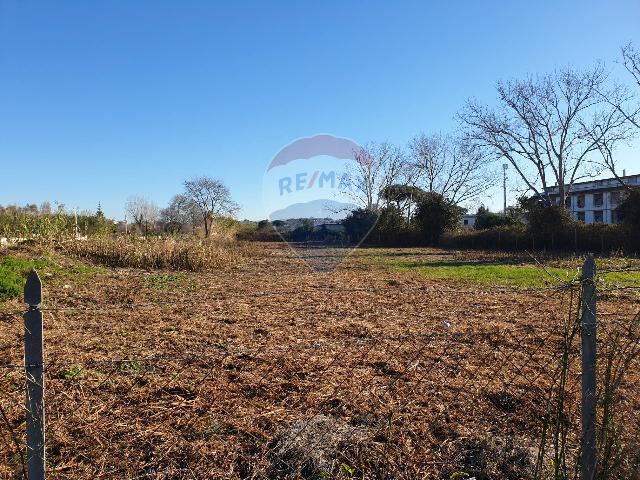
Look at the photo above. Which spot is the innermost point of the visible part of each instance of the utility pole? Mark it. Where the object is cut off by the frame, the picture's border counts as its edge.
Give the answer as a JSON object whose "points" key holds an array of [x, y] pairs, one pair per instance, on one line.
{"points": [[505, 167]]}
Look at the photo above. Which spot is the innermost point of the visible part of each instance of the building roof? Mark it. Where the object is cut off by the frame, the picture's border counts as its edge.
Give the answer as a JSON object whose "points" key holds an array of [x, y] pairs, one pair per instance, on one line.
{"points": [[598, 185]]}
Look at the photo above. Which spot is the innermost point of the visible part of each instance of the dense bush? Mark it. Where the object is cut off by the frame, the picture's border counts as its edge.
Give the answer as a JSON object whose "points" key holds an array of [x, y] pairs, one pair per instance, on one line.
{"points": [[547, 219], [302, 233], [486, 219], [552, 228], [576, 237], [393, 229], [389, 226], [263, 231], [435, 215], [629, 209], [358, 223]]}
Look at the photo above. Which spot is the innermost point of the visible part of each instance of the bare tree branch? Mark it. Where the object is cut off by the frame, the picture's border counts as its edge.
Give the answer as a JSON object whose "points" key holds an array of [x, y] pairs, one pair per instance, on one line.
{"points": [[447, 165], [180, 213], [377, 167], [550, 128]]}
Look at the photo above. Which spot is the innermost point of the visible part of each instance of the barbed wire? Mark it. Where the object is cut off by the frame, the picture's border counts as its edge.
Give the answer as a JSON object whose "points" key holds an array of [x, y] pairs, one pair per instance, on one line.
{"points": [[242, 295]]}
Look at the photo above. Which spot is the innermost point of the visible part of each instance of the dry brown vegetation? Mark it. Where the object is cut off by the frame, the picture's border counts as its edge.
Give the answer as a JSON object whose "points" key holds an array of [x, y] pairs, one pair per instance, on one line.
{"points": [[268, 370], [157, 252]]}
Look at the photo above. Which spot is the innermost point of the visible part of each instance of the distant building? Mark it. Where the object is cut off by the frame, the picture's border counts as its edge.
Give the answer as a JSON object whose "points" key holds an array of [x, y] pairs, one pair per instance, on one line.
{"points": [[595, 201], [468, 221]]}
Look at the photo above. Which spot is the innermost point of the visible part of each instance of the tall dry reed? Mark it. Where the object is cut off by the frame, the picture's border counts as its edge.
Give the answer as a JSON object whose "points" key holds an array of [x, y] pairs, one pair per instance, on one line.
{"points": [[191, 253]]}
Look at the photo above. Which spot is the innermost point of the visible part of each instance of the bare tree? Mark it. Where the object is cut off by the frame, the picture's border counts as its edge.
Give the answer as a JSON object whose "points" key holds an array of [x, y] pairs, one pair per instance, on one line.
{"points": [[212, 198], [180, 213], [377, 166], [549, 128], [143, 212], [457, 170]]}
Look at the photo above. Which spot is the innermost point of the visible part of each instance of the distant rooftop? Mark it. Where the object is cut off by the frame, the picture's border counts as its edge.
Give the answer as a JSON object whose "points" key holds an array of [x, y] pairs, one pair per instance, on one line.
{"points": [[603, 184]]}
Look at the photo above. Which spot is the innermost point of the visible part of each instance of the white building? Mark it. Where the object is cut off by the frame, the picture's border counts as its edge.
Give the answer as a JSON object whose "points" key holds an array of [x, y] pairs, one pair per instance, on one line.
{"points": [[596, 201], [468, 221]]}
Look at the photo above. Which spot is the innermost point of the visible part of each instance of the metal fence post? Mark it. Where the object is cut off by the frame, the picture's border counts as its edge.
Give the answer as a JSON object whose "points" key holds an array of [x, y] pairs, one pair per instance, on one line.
{"points": [[588, 336], [34, 369]]}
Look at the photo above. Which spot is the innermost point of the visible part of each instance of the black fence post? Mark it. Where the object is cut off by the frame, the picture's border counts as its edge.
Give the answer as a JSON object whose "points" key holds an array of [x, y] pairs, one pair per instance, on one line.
{"points": [[588, 337], [34, 369]]}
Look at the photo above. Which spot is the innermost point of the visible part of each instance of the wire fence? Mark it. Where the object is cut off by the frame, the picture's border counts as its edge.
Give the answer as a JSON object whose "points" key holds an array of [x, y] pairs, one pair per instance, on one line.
{"points": [[492, 398]]}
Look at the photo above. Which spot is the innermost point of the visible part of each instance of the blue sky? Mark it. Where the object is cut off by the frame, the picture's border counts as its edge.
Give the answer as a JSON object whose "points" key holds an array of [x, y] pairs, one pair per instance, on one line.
{"points": [[102, 100]]}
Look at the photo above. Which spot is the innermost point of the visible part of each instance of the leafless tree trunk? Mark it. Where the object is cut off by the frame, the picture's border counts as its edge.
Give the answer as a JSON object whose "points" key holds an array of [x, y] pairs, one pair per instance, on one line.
{"points": [[548, 128], [447, 165]]}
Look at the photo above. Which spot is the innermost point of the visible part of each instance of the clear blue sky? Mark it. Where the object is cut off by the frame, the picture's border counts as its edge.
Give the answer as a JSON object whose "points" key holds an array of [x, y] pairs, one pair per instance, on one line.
{"points": [[104, 99]]}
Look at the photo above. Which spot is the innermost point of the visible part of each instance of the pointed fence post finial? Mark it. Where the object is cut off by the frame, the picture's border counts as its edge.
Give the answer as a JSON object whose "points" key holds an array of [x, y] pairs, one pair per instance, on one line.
{"points": [[33, 289], [34, 370]]}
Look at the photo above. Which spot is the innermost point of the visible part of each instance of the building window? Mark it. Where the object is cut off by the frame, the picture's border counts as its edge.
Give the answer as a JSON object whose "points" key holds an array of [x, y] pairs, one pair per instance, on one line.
{"points": [[598, 216], [597, 199], [580, 201], [615, 218], [466, 222], [614, 198], [581, 216], [567, 202]]}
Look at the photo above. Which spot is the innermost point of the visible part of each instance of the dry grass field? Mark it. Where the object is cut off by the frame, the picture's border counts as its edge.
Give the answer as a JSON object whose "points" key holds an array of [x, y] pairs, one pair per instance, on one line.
{"points": [[400, 364]]}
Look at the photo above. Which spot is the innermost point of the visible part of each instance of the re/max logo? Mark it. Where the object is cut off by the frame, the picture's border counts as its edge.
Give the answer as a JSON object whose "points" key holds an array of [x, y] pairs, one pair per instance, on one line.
{"points": [[302, 181]]}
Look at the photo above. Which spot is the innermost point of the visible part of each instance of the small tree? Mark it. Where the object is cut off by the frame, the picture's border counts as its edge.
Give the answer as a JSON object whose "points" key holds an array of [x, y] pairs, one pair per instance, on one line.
{"points": [[212, 199], [434, 215], [143, 212], [180, 213], [268, 231], [544, 218]]}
